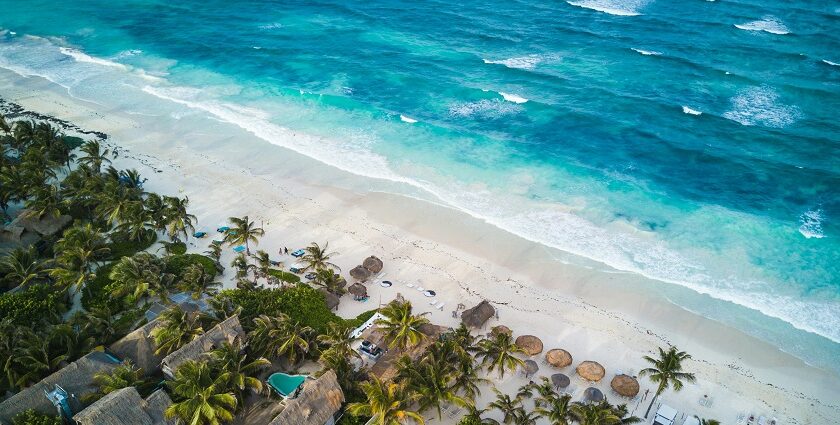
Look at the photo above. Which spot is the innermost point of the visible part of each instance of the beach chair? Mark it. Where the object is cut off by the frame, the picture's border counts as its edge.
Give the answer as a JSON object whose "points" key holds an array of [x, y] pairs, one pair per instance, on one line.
{"points": [[440, 306], [199, 234], [420, 289], [410, 285], [239, 248], [223, 229], [433, 303]]}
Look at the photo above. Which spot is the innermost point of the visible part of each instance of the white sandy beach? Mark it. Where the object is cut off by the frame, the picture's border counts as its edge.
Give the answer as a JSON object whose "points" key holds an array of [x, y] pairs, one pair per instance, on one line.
{"points": [[608, 316]]}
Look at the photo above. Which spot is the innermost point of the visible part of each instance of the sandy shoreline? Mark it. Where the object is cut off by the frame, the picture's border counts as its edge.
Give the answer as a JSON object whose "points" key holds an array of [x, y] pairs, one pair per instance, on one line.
{"points": [[613, 318]]}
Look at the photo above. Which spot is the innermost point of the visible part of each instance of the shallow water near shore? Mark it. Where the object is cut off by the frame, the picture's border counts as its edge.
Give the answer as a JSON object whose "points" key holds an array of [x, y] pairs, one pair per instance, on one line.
{"points": [[703, 154]]}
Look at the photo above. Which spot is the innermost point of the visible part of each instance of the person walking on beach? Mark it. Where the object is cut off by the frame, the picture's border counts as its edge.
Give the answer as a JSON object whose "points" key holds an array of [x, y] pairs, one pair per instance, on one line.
{"points": [[287, 250]]}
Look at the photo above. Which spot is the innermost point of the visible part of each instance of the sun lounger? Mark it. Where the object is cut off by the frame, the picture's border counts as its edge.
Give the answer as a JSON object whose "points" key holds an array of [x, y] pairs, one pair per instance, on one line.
{"points": [[223, 229], [239, 248], [440, 306], [200, 234], [217, 242], [410, 285], [421, 289], [433, 303], [298, 253]]}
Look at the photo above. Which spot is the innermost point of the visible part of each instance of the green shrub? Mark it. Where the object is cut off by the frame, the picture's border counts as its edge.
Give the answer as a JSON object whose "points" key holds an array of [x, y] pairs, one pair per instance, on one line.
{"points": [[284, 276], [177, 264], [360, 319], [32, 304], [301, 303], [123, 246], [469, 420], [97, 292], [178, 248], [349, 419], [73, 142], [31, 417]]}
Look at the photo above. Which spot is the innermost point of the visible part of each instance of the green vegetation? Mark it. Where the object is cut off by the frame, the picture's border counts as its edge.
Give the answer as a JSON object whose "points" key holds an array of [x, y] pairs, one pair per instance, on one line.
{"points": [[178, 264], [123, 245], [284, 276], [32, 304], [31, 417]]}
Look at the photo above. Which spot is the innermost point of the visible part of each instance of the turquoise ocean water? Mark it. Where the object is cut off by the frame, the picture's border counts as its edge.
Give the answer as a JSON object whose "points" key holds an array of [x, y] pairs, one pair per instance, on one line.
{"points": [[693, 142]]}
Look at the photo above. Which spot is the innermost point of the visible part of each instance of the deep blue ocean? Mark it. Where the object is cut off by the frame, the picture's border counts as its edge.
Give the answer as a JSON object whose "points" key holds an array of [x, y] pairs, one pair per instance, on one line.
{"points": [[694, 142]]}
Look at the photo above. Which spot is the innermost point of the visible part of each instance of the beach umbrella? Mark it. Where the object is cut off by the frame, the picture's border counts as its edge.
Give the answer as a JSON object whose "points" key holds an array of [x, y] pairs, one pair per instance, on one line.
{"points": [[592, 395], [358, 290], [530, 367], [591, 371], [625, 385], [558, 357], [560, 380], [331, 299], [476, 317], [360, 273], [501, 329], [530, 344], [373, 264]]}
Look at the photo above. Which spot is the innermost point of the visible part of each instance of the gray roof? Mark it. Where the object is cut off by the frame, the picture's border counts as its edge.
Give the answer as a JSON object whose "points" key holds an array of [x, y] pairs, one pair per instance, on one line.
{"points": [[227, 330], [476, 317], [76, 378], [125, 406], [319, 401], [139, 347], [46, 225]]}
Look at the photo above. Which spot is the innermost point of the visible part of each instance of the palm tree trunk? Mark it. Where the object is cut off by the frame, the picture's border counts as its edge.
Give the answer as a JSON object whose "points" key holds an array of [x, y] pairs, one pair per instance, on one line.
{"points": [[651, 404]]}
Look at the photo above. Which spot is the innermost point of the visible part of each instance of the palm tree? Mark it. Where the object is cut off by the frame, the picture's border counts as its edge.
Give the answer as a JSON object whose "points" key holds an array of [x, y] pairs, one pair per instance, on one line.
{"points": [[141, 276], [339, 338], [33, 358], [555, 408], [704, 421], [178, 220], [214, 251], [45, 201], [473, 417], [498, 352], [177, 327], [317, 258], [198, 397], [602, 413], [510, 407], [242, 266], [4, 126], [279, 336], [263, 263], [400, 327], [430, 380], [123, 376], [94, 155], [386, 403], [103, 324], [135, 222], [666, 371], [331, 281], [237, 372], [116, 203], [244, 232], [23, 266], [198, 282]]}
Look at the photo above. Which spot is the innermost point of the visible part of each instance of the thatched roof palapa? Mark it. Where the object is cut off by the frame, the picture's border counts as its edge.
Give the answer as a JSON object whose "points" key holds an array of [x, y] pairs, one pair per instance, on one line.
{"points": [[501, 329], [318, 402], [386, 367], [76, 378], [530, 344], [125, 406], [530, 367], [591, 371], [139, 347], [373, 264], [558, 357], [476, 317], [560, 380], [625, 385], [46, 225], [226, 331], [360, 273], [331, 299], [358, 290]]}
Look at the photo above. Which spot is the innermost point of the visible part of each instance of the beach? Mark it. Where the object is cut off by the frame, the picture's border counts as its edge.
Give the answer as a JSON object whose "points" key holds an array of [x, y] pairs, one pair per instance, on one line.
{"points": [[594, 312]]}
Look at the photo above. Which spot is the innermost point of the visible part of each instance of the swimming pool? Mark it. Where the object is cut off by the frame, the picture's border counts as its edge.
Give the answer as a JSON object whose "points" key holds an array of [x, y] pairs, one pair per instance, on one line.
{"points": [[284, 384]]}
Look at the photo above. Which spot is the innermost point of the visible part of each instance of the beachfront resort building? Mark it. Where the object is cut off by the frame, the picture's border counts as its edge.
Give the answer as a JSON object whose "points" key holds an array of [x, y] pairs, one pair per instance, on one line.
{"points": [[125, 406], [318, 402], [228, 330]]}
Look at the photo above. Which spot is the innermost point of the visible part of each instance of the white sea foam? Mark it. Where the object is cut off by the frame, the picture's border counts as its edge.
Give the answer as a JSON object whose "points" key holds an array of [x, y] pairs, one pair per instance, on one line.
{"points": [[522, 62], [404, 118], [689, 111], [761, 106], [613, 7], [485, 109], [271, 26], [82, 57], [811, 224], [830, 62], [646, 52], [513, 98], [768, 23]]}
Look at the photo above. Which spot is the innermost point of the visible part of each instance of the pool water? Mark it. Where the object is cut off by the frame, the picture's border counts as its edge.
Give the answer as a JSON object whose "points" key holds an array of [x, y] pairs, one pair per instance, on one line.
{"points": [[285, 384]]}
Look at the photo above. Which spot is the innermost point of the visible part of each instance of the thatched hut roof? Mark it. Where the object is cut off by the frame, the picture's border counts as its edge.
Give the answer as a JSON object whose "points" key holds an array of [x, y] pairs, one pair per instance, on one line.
{"points": [[76, 378], [46, 225], [373, 264], [558, 357], [501, 329], [530, 367], [560, 380], [476, 317], [592, 395], [530, 344], [591, 371], [226, 331], [331, 299], [11, 234], [318, 402], [625, 385], [360, 273], [125, 406], [139, 347], [358, 290], [386, 367], [374, 335]]}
